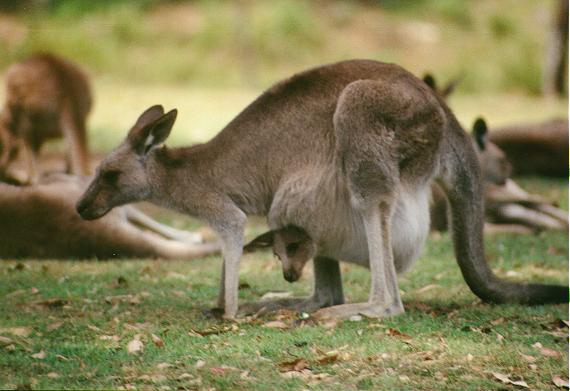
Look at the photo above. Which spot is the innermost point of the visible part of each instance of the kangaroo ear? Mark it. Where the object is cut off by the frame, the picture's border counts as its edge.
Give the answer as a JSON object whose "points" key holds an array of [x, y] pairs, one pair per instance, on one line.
{"points": [[430, 81], [154, 131], [264, 240], [480, 133]]}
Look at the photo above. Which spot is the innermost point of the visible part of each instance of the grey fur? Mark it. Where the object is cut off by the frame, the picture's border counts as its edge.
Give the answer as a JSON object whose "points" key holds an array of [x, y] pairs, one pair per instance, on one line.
{"points": [[343, 151]]}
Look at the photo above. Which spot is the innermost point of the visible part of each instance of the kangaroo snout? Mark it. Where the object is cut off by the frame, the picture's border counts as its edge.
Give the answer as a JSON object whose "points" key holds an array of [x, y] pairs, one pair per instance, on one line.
{"points": [[290, 275]]}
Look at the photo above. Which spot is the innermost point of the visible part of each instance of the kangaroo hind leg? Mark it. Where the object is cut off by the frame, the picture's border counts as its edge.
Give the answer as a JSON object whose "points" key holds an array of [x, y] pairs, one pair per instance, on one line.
{"points": [[367, 151]]}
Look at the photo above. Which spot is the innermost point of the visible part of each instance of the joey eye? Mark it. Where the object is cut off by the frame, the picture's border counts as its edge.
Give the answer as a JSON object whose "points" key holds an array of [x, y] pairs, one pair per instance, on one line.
{"points": [[111, 176], [292, 248]]}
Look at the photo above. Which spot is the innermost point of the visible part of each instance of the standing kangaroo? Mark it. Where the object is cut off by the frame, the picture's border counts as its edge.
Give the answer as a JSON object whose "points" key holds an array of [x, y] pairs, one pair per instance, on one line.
{"points": [[46, 97], [40, 221], [345, 151]]}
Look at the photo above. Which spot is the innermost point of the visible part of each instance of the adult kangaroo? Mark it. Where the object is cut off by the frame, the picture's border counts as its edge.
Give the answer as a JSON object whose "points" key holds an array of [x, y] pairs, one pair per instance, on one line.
{"points": [[345, 151], [46, 97]]}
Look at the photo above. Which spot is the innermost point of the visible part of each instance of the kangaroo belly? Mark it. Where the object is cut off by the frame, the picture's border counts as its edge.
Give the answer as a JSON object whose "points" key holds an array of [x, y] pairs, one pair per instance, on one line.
{"points": [[327, 215]]}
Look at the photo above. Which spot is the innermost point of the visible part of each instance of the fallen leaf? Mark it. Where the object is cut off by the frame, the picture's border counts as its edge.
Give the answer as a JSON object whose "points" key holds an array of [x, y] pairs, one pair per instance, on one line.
{"points": [[219, 371], [560, 382], [427, 288], [507, 380], [54, 326], [115, 338], [18, 331], [61, 358], [39, 355], [163, 365], [296, 365], [528, 358], [135, 346], [396, 333], [276, 295], [34, 291], [199, 364], [328, 358], [550, 353], [185, 375], [157, 341], [276, 324], [53, 375], [5, 340], [498, 321]]}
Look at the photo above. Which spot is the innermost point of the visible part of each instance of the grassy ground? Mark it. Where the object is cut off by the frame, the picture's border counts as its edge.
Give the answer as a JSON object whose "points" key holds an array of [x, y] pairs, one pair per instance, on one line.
{"points": [[70, 325]]}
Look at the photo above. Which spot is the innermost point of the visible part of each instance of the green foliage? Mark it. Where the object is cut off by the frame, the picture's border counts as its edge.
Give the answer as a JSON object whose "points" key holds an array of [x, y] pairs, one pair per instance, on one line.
{"points": [[497, 46]]}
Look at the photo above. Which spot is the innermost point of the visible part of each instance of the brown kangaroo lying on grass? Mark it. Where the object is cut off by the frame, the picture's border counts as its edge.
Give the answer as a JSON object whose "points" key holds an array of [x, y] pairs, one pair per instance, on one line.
{"points": [[345, 151], [536, 149], [46, 97], [508, 208], [40, 221]]}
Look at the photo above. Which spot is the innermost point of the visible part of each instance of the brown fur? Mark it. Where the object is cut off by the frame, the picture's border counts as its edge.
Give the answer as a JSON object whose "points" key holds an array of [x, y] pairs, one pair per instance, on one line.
{"points": [[536, 149], [47, 97], [346, 152], [40, 221]]}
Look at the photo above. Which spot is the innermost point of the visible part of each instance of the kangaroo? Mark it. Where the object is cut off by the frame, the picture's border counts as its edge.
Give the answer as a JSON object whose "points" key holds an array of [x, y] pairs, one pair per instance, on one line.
{"points": [[46, 97], [346, 152], [536, 149], [40, 221], [509, 209]]}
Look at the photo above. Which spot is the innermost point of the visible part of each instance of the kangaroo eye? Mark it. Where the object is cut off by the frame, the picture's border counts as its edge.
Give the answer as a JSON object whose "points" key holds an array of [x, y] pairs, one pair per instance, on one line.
{"points": [[111, 176], [292, 248]]}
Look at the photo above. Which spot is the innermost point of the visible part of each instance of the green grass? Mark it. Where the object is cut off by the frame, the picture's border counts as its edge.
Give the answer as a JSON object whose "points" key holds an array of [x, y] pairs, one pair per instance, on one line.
{"points": [[451, 341]]}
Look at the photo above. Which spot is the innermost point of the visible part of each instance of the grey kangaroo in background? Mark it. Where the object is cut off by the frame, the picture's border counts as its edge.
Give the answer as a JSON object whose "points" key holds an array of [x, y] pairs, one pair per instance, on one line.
{"points": [[345, 151], [46, 97], [40, 221]]}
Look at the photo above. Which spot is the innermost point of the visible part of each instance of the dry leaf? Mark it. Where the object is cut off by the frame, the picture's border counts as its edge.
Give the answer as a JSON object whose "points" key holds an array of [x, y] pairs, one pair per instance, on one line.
{"points": [[560, 382], [199, 364], [395, 333], [115, 338], [53, 375], [276, 295], [185, 376], [18, 331], [507, 380], [528, 358], [276, 324], [157, 341], [163, 365], [39, 355], [61, 358], [427, 288], [550, 353], [54, 326], [328, 358], [5, 340], [296, 365], [135, 346]]}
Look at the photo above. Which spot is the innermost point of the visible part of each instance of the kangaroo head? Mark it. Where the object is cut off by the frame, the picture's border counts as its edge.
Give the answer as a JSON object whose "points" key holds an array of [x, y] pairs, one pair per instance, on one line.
{"points": [[123, 176], [292, 245], [495, 167]]}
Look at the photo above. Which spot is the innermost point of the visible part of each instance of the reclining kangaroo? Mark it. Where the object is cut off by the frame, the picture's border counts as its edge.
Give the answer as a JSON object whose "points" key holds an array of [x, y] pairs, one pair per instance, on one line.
{"points": [[46, 97], [345, 151], [508, 208], [40, 221]]}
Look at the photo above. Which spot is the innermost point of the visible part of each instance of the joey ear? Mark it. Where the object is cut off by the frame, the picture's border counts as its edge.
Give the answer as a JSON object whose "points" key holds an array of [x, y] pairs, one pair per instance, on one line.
{"points": [[153, 133], [264, 240], [430, 81], [480, 131]]}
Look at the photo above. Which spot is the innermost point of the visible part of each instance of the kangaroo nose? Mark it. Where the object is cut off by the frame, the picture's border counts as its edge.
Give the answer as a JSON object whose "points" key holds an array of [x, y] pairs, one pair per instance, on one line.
{"points": [[290, 275], [81, 207]]}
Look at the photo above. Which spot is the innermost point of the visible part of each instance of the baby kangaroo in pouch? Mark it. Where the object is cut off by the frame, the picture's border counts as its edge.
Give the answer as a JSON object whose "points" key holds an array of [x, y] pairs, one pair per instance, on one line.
{"points": [[345, 152]]}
